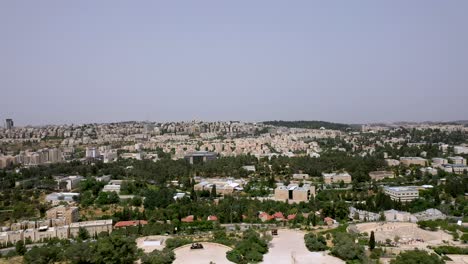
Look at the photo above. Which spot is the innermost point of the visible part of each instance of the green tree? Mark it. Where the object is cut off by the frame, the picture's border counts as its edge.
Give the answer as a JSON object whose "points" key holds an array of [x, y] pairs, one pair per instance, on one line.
{"points": [[115, 248], [136, 201], [213, 193], [80, 252], [42, 255], [464, 238], [249, 250], [20, 248], [372, 241], [86, 198], [346, 249], [158, 198], [83, 234]]}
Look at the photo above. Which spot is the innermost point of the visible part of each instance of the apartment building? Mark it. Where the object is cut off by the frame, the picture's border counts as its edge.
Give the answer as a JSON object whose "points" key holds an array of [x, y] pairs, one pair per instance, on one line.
{"points": [[334, 177], [200, 156], [56, 198], [460, 150], [68, 183], [402, 193], [408, 161], [92, 152], [457, 160], [300, 176], [392, 162], [113, 186], [455, 168], [9, 124], [223, 185], [69, 214], [7, 161], [41, 156], [439, 162], [380, 175], [294, 193], [93, 227], [42, 233]]}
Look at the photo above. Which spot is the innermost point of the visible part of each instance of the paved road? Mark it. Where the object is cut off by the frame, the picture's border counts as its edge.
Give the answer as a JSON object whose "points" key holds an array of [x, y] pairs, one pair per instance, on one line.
{"points": [[289, 247], [5, 251]]}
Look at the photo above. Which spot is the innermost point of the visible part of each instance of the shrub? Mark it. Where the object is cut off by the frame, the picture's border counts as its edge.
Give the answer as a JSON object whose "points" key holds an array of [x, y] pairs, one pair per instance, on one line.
{"points": [[176, 242], [315, 243], [451, 250], [417, 256], [165, 256]]}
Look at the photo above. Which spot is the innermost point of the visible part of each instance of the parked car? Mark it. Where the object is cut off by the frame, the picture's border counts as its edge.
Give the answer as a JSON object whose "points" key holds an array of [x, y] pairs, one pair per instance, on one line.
{"points": [[196, 246]]}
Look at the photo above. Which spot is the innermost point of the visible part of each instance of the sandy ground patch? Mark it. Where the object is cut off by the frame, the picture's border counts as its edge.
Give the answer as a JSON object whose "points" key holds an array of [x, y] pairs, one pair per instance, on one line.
{"points": [[458, 259], [409, 233], [210, 252], [150, 243], [14, 260], [289, 247]]}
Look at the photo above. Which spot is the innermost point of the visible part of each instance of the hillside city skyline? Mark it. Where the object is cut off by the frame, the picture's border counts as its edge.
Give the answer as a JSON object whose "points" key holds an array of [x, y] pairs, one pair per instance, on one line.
{"points": [[267, 60], [234, 132], [20, 124]]}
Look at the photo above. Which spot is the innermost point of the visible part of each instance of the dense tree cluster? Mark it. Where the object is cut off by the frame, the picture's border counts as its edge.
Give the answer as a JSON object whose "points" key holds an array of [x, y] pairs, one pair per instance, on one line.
{"points": [[164, 256], [444, 250], [345, 248], [417, 257], [112, 248], [250, 249]]}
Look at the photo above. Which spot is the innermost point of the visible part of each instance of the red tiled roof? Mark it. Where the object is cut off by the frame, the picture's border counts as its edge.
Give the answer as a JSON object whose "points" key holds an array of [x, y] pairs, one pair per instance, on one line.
{"points": [[278, 215], [291, 216], [130, 223], [262, 214], [266, 216], [212, 218], [187, 219]]}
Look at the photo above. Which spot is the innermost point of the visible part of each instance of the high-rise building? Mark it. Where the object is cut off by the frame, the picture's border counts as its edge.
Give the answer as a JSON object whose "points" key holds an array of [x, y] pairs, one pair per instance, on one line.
{"points": [[92, 152], [9, 123]]}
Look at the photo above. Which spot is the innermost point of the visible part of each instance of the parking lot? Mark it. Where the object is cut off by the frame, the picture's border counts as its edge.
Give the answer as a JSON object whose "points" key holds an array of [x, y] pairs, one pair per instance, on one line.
{"points": [[213, 252]]}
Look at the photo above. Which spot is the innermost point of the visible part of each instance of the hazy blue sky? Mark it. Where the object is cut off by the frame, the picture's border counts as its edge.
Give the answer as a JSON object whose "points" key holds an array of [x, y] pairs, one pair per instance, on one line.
{"points": [[345, 61]]}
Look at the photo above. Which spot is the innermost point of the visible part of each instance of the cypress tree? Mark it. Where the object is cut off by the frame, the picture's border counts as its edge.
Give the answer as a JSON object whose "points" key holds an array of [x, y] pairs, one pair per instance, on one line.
{"points": [[213, 191], [372, 241]]}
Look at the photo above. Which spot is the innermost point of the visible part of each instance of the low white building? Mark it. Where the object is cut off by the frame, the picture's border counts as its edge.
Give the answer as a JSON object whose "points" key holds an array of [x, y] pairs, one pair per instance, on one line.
{"points": [[334, 177], [300, 176], [429, 170], [455, 168], [56, 198], [249, 168], [430, 214], [402, 193], [439, 162], [457, 160], [68, 183], [460, 150], [399, 216], [363, 215]]}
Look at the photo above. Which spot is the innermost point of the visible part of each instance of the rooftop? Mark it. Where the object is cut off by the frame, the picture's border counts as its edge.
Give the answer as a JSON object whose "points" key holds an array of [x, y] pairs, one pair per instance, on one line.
{"points": [[401, 188]]}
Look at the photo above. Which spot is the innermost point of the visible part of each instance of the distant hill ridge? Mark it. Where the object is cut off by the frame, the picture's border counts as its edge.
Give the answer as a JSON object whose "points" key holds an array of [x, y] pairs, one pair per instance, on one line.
{"points": [[308, 124]]}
